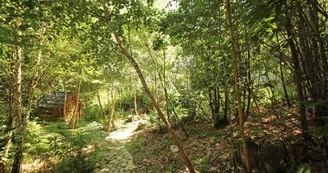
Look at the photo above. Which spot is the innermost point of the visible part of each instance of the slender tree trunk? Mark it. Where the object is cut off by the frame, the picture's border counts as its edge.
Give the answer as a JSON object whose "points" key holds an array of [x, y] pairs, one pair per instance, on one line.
{"points": [[151, 97], [217, 108], [65, 104], [18, 158], [282, 74], [283, 82], [298, 81], [135, 102], [87, 102], [237, 84], [157, 99], [226, 103], [249, 79], [111, 116], [211, 103], [155, 104], [165, 90], [164, 83], [77, 108], [101, 108], [109, 105]]}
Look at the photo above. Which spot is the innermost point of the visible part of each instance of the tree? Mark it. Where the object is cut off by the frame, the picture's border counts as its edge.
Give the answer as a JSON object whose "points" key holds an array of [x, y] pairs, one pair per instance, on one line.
{"points": [[237, 84]]}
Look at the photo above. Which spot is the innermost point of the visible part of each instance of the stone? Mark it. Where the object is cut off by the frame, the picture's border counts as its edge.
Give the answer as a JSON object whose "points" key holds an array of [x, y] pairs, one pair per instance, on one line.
{"points": [[174, 148], [114, 162], [130, 167]]}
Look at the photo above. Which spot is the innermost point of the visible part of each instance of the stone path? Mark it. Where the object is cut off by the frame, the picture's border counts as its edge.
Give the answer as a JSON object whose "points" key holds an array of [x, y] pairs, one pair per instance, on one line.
{"points": [[116, 159]]}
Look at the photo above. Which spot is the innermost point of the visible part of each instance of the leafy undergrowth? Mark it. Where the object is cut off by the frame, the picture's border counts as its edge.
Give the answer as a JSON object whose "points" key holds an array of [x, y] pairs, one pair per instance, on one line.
{"points": [[209, 148], [52, 147]]}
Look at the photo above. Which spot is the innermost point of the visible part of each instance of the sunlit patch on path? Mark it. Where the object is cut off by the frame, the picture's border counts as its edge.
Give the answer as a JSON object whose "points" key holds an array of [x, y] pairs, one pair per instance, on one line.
{"points": [[115, 158], [125, 132]]}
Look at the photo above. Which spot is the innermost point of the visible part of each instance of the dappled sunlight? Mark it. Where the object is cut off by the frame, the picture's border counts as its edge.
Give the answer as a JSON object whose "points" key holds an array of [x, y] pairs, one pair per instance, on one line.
{"points": [[119, 135], [126, 132]]}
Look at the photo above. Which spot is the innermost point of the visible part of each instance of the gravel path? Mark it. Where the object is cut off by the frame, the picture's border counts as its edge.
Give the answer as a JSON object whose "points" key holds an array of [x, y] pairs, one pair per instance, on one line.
{"points": [[116, 159]]}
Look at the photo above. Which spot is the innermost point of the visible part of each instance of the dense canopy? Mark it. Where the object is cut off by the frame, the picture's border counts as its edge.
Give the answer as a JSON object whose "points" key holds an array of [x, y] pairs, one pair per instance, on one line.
{"points": [[164, 86]]}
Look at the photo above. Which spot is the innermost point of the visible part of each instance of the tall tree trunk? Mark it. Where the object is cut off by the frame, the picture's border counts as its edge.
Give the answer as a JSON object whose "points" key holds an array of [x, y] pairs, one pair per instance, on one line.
{"points": [[298, 81], [101, 108], [282, 76], [87, 102], [77, 108], [165, 90], [18, 158], [283, 81], [112, 112], [164, 83], [111, 115], [157, 99], [65, 104], [211, 103], [226, 103], [135, 102], [151, 97], [155, 104], [237, 84], [249, 79], [217, 108]]}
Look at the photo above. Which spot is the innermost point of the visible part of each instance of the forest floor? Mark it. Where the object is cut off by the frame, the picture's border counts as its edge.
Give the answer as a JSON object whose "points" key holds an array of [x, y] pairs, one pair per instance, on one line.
{"points": [[137, 147], [209, 148]]}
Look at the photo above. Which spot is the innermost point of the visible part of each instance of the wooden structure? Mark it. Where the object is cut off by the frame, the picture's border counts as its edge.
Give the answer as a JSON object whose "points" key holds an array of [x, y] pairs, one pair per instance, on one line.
{"points": [[56, 105]]}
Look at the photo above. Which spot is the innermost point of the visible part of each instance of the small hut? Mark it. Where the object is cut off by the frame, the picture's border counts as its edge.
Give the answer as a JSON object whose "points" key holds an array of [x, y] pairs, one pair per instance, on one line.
{"points": [[56, 105]]}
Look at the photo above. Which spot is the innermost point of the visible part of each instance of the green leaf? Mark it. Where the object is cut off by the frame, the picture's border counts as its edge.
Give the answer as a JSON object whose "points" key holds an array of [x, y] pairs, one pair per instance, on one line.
{"points": [[1, 52], [312, 103], [304, 168], [269, 30], [269, 19]]}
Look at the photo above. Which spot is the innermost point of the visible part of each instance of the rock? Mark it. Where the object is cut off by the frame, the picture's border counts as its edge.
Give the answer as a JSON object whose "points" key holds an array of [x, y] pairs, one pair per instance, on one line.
{"points": [[114, 162], [104, 170], [130, 167], [174, 148], [128, 156]]}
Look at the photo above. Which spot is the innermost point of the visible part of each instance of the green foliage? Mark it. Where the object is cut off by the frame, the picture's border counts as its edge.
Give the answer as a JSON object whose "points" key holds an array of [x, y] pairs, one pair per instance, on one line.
{"points": [[77, 161], [126, 103], [78, 45], [93, 114], [304, 168], [204, 164], [172, 167], [313, 103], [72, 147], [153, 117]]}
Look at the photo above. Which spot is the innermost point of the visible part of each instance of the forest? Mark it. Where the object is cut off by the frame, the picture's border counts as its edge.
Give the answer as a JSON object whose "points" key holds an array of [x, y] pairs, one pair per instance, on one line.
{"points": [[96, 86]]}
